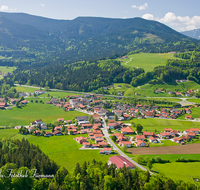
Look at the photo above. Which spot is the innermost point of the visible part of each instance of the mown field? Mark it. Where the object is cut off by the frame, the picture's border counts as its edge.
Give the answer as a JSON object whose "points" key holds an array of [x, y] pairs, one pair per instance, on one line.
{"points": [[152, 124], [34, 111], [64, 150], [195, 113], [179, 171], [7, 133], [147, 61]]}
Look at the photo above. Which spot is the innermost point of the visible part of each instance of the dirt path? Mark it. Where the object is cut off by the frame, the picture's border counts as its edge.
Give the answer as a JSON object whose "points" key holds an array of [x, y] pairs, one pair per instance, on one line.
{"points": [[179, 149]]}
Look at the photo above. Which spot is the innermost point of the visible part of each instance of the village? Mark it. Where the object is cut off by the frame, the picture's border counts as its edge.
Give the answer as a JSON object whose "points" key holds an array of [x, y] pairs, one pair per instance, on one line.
{"points": [[122, 134]]}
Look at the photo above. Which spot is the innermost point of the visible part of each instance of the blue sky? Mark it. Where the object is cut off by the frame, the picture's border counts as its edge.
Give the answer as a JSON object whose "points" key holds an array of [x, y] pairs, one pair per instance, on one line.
{"points": [[180, 15]]}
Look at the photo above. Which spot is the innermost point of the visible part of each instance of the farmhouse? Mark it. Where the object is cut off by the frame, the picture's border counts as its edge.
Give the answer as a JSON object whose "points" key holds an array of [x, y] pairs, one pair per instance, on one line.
{"points": [[147, 134], [120, 161], [141, 143], [81, 139], [126, 143]]}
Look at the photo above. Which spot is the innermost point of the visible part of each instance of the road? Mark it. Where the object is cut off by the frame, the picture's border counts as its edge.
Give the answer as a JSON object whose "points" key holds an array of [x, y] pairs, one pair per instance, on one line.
{"points": [[105, 132]]}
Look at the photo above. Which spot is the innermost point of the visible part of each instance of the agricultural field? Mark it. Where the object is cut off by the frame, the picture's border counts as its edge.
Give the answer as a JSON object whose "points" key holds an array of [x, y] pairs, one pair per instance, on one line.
{"points": [[179, 149], [194, 100], [158, 125], [7, 133], [33, 111], [147, 61], [5, 69], [64, 150], [178, 171]]}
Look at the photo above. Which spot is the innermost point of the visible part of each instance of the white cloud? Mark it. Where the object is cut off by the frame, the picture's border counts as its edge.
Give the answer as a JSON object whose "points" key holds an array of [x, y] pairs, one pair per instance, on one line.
{"points": [[141, 7], [43, 5], [148, 16], [4, 8], [178, 23]]}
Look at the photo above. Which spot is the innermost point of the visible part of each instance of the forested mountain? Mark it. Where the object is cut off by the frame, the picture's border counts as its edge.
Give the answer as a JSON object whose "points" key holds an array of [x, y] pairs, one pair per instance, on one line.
{"points": [[35, 40], [193, 33]]}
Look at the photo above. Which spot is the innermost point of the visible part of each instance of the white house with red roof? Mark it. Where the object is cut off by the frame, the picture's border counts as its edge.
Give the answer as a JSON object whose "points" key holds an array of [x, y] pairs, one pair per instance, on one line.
{"points": [[128, 144], [147, 134], [106, 151], [141, 143]]}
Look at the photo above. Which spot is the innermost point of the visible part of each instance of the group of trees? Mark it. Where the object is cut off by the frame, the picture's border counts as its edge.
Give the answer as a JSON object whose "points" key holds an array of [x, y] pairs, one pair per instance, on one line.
{"points": [[21, 157]]}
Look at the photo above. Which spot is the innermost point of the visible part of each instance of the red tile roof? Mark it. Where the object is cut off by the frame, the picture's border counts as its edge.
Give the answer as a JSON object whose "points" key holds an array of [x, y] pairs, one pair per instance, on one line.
{"points": [[120, 161]]}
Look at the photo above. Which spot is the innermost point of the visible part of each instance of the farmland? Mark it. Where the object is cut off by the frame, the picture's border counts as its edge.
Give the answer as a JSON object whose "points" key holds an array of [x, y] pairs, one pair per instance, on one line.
{"points": [[152, 124], [33, 111], [147, 61], [64, 150]]}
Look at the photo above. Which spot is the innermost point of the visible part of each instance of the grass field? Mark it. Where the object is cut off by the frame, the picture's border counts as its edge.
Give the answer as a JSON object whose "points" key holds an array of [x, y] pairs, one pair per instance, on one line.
{"points": [[55, 94], [64, 150], [194, 100], [147, 61], [5, 69], [164, 143], [33, 111], [179, 171], [172, 157], [150, 124], [195, 113], [7, 133]]}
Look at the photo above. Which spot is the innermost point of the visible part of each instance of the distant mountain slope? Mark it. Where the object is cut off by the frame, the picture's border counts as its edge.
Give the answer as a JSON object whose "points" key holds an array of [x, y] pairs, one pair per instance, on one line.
{"points": [[193, 33], [86, 37]]}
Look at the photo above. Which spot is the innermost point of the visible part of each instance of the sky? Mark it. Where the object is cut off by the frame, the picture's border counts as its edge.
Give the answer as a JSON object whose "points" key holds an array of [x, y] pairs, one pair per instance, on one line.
{"points": [[181, 15]]}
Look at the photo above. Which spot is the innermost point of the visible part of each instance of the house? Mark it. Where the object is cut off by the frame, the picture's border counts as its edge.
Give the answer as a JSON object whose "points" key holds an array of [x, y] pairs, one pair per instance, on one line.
{"points": [[114, 125], [14, 101], [153, 139], [102, 144], [120, 162], [81, 139], [43, 126], [147, 134], [165, 135], [149, 114], [39, 121], [191, 134], [48, 134], [126, 116], [39, 92], [139, 137], [60, 119], [82, 119], [170, 92], [189, 117], [110, 115], [106, 151], [83, 131], [97, 132], [177, 139], [128, 144], [98, 139], [24, 102], [141, 143], [86, 125], [37, 132], [86, 144], [196, 130], [18, 127], [57, 133], [58, 128], [2, 105], [168, 129], [127, 130], [159, 90]]}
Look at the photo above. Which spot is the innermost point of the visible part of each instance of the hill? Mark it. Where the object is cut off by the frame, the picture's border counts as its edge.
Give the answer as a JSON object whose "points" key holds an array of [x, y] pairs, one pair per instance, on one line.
{"points": [[39, 41], [193, 33]]}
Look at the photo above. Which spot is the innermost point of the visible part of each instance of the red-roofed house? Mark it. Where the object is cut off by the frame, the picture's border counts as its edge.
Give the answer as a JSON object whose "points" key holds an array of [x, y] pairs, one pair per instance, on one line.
{"points": [[128, 144], [165, 135], [106, 151], [141, 143], [189, 117], [127, 130], [24, 102], [147, 134], [120, 161], [86, 144], [102, 144], [81, 139], [196, 130], [139, 137]]}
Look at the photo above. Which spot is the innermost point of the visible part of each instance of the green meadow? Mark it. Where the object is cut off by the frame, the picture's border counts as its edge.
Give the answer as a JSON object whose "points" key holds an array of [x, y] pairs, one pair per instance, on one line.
{"points": [[147, 61], [179, 171], [64, 150], [7, 133], [195, 113], [156, 124], [34, 111]]}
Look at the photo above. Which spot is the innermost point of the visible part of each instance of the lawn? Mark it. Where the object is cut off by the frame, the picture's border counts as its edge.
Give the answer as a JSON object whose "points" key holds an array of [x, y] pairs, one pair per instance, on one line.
{"points": [[179, 171], [7, 133], [33, 111], [64, 150], [147, 61], [194, 100]]}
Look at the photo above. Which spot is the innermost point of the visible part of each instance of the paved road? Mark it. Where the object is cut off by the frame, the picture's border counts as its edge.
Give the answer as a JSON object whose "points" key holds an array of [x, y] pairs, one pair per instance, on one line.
{"points": [[105, 132]]}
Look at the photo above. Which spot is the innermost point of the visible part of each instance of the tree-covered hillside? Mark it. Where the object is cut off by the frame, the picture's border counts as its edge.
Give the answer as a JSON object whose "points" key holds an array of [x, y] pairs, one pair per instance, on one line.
{"points": [[37, 41]]}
